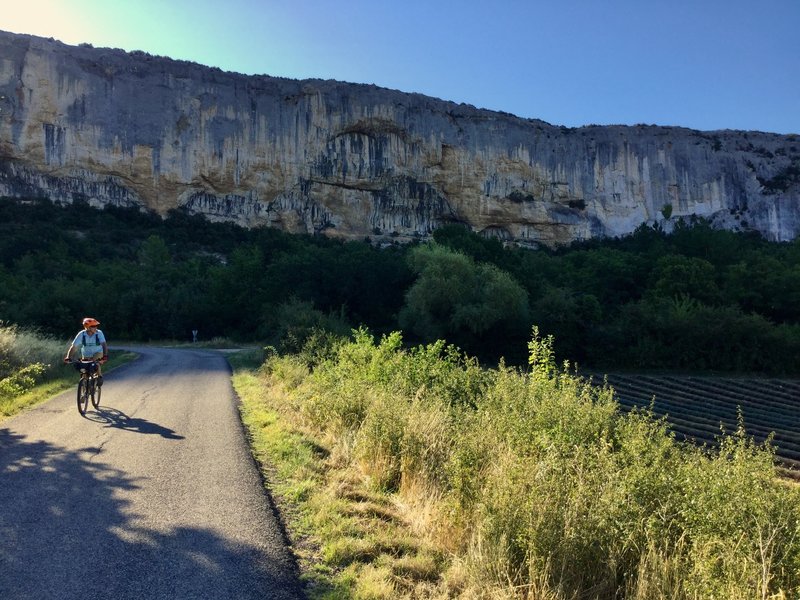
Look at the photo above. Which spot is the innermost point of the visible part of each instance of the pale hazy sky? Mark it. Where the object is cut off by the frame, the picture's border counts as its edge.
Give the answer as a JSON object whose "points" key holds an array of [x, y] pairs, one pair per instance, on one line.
{"points": [[703, 64]]}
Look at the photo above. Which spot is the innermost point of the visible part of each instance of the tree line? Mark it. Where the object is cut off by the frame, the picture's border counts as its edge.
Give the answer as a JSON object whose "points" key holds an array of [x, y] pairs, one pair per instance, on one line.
{"points": [[695, 299]]}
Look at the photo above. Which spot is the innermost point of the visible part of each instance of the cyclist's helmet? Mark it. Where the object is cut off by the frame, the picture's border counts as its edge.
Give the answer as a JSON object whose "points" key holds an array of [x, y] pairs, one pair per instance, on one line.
{"points": [[90, 322]]}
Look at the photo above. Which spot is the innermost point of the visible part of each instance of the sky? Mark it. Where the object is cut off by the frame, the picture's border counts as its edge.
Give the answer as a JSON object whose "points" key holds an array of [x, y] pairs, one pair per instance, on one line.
{"points": [[702, 64]]}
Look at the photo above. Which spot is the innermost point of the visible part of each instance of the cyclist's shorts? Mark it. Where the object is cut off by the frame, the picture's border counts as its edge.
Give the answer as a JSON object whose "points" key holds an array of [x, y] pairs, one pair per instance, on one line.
{"points": [[95, 356], [85, 366]]}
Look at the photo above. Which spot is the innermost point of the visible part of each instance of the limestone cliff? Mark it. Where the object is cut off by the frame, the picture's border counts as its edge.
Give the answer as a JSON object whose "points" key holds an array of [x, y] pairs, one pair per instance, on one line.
{"points": [[358, 161]]}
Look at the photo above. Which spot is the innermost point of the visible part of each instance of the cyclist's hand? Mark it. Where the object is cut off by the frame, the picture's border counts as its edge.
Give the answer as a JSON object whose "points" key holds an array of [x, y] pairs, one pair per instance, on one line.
{"points": [[66, 360], [103, 360]]}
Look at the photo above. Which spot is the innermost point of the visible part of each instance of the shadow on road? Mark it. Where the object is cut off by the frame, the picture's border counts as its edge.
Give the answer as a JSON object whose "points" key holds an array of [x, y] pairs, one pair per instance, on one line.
{"points": [[112, 417], [67, 532]]}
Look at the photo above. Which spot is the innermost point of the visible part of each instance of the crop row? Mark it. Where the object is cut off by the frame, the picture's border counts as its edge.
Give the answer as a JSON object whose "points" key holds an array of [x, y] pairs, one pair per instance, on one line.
{"points": [[759, 417], [698, 409]]}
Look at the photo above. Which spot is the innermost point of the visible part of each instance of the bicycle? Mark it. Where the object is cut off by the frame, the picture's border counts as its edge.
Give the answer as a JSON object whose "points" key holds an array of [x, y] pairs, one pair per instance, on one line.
{"points": [[88, 387]]}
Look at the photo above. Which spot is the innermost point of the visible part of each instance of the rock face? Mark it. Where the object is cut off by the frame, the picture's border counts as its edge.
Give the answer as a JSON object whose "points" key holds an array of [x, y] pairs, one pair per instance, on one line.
{"points": [[355, 161]]}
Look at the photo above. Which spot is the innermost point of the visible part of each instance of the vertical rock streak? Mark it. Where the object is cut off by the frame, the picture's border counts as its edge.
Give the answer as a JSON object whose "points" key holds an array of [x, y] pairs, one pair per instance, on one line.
{"points": [[349, 160]]}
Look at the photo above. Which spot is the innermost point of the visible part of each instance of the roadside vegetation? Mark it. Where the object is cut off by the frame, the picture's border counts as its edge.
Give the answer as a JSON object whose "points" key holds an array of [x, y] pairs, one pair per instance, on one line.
{"points": [[417, 473], [26, 359]]}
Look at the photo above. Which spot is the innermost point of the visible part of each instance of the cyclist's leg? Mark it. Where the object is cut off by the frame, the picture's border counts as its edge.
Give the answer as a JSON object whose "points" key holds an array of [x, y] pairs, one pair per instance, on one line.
{"points": [[96, 357]]}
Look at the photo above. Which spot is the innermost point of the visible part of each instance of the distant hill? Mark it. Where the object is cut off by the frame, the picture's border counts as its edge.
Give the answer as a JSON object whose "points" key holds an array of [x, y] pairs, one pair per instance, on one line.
{"points": [[355, 161]]}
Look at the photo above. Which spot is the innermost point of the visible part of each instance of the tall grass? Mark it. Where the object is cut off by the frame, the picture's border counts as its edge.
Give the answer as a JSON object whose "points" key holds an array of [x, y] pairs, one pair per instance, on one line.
{"points": [[538, 486], [26, 358]]}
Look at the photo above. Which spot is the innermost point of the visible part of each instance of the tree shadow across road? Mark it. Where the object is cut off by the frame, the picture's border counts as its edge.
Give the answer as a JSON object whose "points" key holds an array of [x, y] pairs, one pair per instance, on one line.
{"points": [[112, 417], [67, 532]]}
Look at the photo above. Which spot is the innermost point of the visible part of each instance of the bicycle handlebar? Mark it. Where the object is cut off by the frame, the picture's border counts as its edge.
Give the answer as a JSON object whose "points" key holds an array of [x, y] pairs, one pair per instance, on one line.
{"points": [[100, 361]]}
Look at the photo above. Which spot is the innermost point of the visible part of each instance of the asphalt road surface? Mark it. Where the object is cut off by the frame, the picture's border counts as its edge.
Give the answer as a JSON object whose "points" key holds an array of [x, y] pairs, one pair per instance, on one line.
{"points": [[153, 495]]}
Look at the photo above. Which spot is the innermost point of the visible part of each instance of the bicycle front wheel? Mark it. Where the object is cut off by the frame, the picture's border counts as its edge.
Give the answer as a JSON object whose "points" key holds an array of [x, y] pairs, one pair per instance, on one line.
{"points": [[83, 395], [96, 389]]}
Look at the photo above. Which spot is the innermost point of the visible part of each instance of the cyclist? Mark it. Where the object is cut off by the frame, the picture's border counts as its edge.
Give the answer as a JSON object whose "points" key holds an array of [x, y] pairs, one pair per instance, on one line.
{"points": [[92, 344]]}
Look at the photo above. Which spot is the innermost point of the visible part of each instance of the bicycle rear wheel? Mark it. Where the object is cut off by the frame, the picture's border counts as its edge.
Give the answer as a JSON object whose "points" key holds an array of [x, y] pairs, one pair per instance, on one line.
{"points": [[96, 389], [83, 395]]}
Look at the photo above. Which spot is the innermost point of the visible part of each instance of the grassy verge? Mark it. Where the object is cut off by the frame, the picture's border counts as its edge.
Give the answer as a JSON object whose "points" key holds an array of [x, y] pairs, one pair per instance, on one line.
{"points": [[414, 473], [351, 540]]}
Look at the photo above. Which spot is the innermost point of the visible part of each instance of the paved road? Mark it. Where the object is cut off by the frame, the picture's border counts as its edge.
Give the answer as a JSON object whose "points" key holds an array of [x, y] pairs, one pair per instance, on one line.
{"points": [[153, 495]]}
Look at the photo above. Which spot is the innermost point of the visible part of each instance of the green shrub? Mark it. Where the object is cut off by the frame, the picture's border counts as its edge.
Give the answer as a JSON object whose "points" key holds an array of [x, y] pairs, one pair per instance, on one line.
{"points": [[545, 485], [295, 322], [288, 369], [595, 499], [26, 358], [20, 381], [379, 444]]}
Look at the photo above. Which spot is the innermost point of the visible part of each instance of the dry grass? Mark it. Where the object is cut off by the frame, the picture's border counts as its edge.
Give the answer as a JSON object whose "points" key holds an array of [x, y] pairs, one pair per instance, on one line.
{"points": [[351, 539], [524, 486]]}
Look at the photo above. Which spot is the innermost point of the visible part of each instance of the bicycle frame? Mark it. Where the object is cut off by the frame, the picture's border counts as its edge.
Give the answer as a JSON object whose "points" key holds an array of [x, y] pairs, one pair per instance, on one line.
{"points": [[87, 385]]}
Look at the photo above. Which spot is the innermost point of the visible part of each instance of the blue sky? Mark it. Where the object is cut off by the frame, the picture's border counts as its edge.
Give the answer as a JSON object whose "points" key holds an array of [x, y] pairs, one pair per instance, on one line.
{"points": [[703, 64]]}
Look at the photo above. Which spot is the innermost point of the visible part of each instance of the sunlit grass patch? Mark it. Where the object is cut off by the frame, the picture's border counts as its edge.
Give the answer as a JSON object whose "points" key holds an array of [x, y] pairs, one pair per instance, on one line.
{"points": [[346, 534], [418, 567], [375, 582], [372, 510], [40, 393], [345, 550]]}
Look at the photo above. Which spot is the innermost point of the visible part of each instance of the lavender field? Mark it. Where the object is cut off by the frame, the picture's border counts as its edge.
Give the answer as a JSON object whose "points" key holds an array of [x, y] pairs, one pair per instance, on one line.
{"points": [[697, 407]]}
